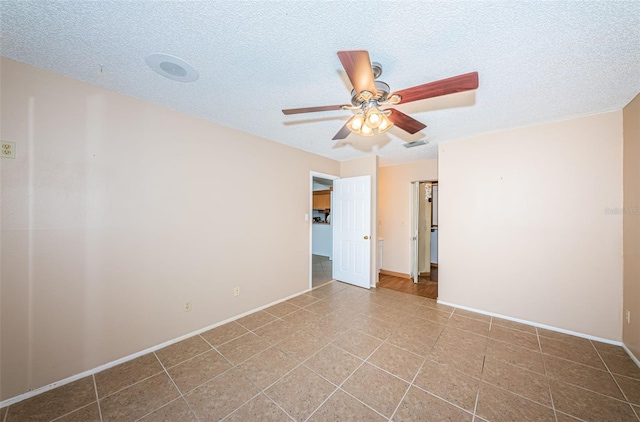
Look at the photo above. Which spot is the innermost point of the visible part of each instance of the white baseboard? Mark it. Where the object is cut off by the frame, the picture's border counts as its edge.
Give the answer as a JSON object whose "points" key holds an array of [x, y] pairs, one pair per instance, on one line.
{"points": [[631, 355], [111, 364], [535, 324], [116, 362]]}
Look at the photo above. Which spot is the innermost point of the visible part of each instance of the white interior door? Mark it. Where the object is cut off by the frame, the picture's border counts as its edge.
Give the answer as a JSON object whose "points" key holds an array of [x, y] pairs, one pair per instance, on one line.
{"points": [[351, 220]]}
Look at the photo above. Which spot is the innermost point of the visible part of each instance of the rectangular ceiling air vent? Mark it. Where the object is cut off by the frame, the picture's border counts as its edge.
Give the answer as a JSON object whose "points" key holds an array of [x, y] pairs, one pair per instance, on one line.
{"points": [[415, 143]]}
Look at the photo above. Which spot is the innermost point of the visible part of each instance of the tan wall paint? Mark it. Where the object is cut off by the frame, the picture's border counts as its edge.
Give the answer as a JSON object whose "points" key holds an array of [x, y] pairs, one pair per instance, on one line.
{"points": [[524, 231], [362, 167], [116, 211], [631, 225], [395, 210]]}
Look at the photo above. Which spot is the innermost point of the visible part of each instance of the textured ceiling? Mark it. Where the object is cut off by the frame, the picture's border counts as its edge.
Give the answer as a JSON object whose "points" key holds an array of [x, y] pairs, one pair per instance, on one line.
{"points": [[537, 61]]}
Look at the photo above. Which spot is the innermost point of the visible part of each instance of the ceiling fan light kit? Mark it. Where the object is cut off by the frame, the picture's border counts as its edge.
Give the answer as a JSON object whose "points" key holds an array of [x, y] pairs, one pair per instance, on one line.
{"points": [[369, 122], [369, 95]]}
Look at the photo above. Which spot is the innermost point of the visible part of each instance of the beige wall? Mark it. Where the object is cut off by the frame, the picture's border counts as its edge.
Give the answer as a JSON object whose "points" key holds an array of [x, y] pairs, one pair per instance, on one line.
{"points": [[116, 211], [395, 210], [631, 224], [523, 227], [362, 167]]}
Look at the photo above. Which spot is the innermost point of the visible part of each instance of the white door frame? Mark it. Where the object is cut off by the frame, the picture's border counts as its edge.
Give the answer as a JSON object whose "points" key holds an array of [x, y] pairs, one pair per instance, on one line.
{"points": [[415, 211], [414, 271], [313, 174]]}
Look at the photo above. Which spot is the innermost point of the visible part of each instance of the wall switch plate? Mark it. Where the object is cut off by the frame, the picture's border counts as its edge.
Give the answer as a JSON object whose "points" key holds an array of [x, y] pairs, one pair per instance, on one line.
{"points": [[187, 306], [8, 149], [236, 291], [628, 317]]}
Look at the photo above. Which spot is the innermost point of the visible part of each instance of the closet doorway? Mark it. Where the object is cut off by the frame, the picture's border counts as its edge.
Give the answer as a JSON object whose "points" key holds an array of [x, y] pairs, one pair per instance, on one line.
{"points": [[424, 233]]}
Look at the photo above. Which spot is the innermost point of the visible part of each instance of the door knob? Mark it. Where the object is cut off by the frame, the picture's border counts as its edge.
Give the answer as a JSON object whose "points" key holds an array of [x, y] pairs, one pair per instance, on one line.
{"points": [[366, 238]]}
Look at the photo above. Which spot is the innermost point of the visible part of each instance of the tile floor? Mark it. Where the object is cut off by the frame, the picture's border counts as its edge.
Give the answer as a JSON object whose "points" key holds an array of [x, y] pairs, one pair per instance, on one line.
{"points": [[322, 270], [342, 353]]}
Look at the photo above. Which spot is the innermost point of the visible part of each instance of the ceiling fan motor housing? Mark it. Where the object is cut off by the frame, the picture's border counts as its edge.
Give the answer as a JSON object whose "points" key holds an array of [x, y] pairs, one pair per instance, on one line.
{"points": [[359, 98], [376, 68]]}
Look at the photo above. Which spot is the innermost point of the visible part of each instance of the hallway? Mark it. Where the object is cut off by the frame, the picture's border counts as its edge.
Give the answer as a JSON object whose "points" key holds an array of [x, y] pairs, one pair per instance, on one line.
{"points": [[426, 287]]}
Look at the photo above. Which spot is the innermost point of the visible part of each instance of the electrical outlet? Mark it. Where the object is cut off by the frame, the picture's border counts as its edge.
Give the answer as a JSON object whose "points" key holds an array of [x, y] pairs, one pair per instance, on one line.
{"points": [[236, 291], [187, 305], [628, 317], [8, 149]]}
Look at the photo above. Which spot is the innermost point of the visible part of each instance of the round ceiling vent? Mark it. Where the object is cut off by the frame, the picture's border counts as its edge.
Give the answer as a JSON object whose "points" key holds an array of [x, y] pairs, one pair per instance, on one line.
{"points": [[172, 67]]}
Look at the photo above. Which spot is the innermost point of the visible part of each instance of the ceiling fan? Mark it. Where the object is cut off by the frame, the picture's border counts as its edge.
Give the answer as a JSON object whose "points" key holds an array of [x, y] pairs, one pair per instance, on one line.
{"points": [[370, 98]]}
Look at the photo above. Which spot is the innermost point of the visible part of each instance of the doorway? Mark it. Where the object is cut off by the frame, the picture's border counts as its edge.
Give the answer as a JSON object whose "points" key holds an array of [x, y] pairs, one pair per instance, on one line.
{"points": [[422, 279], [321, 271], [424, 233], [349, 232]]}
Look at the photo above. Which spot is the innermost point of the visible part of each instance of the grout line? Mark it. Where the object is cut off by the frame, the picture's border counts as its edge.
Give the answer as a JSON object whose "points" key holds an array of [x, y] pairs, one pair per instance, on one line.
{"points": [[484, 361], [243, 404], [595, 392], [296, 366], [322, 404], [411, 384], [278, 404], [408, 388], [535, 324], [613, 377], [351, 374], [517, 345], [161, 407], [572, 416], [68, 413], [394, 375], [95, 388], [284, 375], [431, 393], [324, 283], [365, 404], [235, 338], [364, 361], [179, 391], [475, 404], [132, 384], [264, 390], [546, 375], [576, 385], [250, 357], [192, 357], [517, 394], [593, 368]]}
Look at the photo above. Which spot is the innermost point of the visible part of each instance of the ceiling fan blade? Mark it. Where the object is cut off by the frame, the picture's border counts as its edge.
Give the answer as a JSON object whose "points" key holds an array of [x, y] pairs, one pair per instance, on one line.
{"points": [[358, 67], [343, 132], [311, 109], [459, 83], [405, 122]]}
